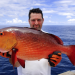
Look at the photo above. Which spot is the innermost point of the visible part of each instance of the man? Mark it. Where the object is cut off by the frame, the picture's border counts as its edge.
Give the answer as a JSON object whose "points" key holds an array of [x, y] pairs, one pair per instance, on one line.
{"points": [[42, 66]]}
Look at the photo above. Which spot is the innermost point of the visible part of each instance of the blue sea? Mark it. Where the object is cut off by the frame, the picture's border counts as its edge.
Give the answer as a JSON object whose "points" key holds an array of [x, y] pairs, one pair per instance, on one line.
{"points": [[67, 35]]}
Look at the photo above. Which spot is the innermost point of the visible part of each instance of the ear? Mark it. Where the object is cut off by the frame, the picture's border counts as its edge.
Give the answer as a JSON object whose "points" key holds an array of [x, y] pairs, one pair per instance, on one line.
{"points": [[42, 20]]}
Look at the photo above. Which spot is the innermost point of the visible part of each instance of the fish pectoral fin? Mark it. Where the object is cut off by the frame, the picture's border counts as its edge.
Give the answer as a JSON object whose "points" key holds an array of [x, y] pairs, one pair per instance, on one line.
{"points": [[22, 62], [13, 56]]}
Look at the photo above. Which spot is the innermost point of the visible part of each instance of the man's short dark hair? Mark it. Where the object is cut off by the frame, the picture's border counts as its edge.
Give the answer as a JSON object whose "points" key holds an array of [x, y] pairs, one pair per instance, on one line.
{"points": [[35, 10]]}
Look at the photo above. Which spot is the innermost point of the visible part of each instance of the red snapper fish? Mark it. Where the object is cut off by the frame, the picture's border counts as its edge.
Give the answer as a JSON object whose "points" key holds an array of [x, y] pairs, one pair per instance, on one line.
{"points": [[30, 44]]}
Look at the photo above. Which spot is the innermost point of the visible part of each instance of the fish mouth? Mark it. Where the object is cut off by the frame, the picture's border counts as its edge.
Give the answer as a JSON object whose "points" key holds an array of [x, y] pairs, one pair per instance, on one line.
{"points": [[2, 50], [7, 49]]}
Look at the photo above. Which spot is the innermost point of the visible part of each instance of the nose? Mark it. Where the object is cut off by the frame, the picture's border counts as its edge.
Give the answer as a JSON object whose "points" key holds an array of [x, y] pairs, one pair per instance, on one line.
{"points": [[36, 22]]}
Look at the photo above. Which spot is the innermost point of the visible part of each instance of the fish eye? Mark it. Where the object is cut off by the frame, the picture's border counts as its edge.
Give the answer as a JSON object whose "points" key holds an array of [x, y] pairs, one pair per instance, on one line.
{"points": [[1, 33]]}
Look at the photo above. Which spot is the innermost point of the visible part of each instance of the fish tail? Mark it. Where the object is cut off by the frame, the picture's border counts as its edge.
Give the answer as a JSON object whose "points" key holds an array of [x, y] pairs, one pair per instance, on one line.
{"points": [[71, 56]]}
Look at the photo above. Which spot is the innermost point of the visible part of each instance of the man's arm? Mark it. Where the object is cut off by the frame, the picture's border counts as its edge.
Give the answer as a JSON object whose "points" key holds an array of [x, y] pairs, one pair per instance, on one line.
{"points": [[7, 55], [16, 64]]}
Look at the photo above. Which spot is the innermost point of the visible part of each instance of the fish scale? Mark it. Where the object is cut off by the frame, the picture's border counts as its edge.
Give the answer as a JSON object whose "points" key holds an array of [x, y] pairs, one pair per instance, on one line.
{"points": [[33, 45]]}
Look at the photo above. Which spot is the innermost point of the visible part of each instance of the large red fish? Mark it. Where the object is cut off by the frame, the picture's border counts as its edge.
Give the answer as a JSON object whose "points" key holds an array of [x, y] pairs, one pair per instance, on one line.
{"points": [[31, 44]]}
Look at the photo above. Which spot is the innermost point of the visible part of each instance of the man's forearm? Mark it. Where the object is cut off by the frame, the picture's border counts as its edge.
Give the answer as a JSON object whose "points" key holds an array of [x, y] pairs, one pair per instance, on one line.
{"points": [[16, 64]]}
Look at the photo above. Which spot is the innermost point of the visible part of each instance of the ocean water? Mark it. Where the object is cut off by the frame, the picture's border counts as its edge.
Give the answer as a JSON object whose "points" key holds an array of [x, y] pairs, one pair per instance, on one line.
{"points": [[67, 35]]}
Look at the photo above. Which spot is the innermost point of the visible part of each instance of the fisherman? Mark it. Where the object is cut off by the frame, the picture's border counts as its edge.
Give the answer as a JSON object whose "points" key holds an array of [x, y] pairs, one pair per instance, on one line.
{"points": [[42, 66]]}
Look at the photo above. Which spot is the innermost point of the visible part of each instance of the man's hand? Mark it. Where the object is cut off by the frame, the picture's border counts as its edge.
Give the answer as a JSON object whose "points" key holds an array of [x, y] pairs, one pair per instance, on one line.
{"points": [[6, 55], [54, 58]]}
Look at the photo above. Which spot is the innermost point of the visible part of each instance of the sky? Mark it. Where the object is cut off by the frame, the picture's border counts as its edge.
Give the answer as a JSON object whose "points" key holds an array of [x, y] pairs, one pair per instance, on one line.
{"points": [[55, 12]]}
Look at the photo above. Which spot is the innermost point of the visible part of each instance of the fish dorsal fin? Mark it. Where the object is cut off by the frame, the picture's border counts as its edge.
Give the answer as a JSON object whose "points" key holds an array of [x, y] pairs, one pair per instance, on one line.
{"points": [[59, 41]]}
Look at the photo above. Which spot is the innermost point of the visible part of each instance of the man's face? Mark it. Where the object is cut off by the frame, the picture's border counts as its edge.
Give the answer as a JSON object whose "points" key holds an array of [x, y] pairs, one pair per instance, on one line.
{"points": [[36, 20]]}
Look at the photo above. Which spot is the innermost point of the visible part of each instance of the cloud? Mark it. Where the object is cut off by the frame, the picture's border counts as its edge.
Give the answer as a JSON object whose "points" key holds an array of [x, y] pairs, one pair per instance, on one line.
{"points": [[67, 14], [1, 15], [71, 20], [50, 21], [65, 7], [68, 17], [16, 20], [19, 8], [39, 4], [49, 11], [64, 1], [45, 16]]}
